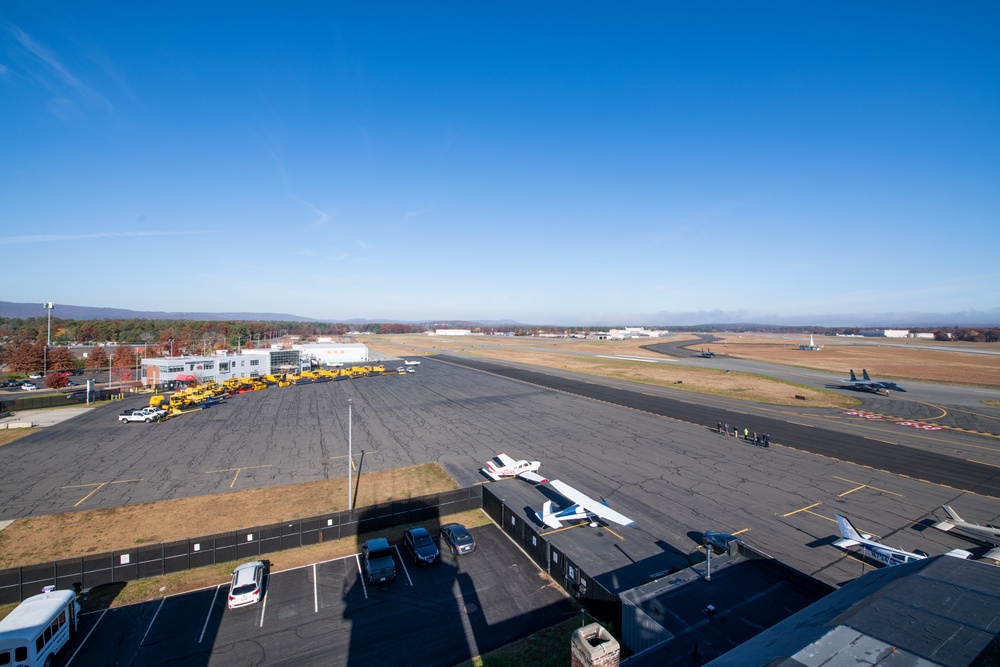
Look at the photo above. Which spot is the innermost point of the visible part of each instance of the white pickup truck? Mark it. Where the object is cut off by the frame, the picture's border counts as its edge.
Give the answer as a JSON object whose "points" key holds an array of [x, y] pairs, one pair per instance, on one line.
{"points": [[156, 413], [135, 416]]}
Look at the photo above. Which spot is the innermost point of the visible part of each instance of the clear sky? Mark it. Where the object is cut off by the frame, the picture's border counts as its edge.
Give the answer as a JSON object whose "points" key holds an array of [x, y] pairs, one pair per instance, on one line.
{"points": [[571, 162]]}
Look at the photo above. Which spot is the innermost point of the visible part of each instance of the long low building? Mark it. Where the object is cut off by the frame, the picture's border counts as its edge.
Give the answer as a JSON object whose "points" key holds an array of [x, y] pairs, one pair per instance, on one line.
{"points": [[219, 367]]}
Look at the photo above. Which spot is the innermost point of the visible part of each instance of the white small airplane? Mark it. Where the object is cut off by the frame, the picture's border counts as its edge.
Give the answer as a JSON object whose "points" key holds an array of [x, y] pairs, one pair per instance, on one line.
{"points": [[880, 552], [502, 465], [578, 506], [988, 533], [411, 363]]}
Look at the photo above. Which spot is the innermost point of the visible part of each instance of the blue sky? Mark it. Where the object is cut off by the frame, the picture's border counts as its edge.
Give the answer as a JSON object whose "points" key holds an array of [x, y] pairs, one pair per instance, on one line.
{"points": [[566, 163]]}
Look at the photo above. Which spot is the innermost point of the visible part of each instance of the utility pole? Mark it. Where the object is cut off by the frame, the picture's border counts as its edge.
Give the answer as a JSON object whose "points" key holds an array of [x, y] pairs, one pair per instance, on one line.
{"points": [[48, 305], [350, 460]]}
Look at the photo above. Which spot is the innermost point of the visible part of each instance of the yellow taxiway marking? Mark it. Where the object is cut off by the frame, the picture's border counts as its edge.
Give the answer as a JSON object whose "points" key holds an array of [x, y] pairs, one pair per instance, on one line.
{"points": [[238, 471], [804, 509], [992, 465], [740, 532], [578, 525], [862, 485], [98, 486], [355, 467]]}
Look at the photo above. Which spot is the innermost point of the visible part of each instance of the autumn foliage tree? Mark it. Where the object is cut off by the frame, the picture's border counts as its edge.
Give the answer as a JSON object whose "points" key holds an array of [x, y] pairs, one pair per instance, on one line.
{"points": [[122, 362], [24, 357], [56, 380], [98, 358], [61, 359]]}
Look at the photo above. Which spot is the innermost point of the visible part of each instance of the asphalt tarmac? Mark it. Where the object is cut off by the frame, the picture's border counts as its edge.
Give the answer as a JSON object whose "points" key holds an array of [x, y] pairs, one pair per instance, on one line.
{"points": [[666, 469]]}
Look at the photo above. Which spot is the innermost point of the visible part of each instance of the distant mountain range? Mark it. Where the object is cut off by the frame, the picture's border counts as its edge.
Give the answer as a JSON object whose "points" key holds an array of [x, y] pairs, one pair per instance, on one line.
{"points": [[25, 310], [706, 319]]}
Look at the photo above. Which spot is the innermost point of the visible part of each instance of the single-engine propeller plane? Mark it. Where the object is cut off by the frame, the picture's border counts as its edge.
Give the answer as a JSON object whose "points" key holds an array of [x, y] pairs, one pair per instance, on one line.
{"points": [[577, 506], [880, 552], [987, 534], [502, 465]]}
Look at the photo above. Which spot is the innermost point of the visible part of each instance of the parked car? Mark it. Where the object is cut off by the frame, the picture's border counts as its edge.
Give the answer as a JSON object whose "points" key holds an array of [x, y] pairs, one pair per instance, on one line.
{"points": [[458, 538], [248, 584], [35, 376], [27, 386], [379, 565], [11, 384], [135, 416], [155, 413], [421, 546]]}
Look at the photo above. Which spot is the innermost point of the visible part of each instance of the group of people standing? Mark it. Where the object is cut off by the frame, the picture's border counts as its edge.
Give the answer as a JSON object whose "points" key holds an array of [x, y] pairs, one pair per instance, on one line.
{"points": [[760, 440]]}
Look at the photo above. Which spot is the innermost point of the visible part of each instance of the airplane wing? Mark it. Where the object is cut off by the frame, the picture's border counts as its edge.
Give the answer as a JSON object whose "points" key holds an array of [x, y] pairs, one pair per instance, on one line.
{"points": [[504, 460], [589, 504], [532, 477]]}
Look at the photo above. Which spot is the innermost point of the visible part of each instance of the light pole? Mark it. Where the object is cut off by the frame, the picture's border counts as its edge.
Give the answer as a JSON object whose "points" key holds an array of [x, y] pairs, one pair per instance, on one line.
{"points": [[350, 460], [48, 305]]}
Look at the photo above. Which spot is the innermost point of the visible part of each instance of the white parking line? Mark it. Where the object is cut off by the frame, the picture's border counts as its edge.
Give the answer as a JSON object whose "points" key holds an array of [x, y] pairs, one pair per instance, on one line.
{"points": [[263, 606], [407, 572], [209, 614], [364, 588], [315, 592], [162, 600], [70, 661]]}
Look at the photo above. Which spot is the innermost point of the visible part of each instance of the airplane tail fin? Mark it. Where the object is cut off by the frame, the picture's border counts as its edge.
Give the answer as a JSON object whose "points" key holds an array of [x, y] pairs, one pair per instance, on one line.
{"points": [[952, 514], [854, 378], [547, 516], [848, 531], [864, 374]]}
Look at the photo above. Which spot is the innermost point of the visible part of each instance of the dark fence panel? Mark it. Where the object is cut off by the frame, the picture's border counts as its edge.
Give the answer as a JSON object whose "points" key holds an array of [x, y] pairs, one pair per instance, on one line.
{"points": [[157, 559], [69, 572]]}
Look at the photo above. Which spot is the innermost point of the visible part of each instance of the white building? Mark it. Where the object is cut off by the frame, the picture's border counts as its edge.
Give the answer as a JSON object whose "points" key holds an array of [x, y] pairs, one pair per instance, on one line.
{"points": [[885, 333], [636, 332], [453, 332], [330, 354], [219, 367]]}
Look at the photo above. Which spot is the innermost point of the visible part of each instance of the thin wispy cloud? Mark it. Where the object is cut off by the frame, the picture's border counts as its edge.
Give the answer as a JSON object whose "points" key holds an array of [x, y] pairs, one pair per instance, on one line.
{"points": [[322, 217], [60, 80], [54, 238]]}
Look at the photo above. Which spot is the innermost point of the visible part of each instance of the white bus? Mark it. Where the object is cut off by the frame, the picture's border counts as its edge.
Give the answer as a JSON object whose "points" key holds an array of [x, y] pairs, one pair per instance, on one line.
{"points": [[37, 629]]}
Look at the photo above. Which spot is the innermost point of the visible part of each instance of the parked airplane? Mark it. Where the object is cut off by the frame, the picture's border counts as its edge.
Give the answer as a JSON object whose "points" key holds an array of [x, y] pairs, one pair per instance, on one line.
{"points": [[502, 465], [411, 363], [577, 506], [707, 354], [880, 552], [988, 533], [874, 386]]}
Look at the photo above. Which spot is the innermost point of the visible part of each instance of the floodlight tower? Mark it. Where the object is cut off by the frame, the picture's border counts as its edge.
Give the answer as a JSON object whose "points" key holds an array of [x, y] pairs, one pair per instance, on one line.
{"points": [[48, 305]]}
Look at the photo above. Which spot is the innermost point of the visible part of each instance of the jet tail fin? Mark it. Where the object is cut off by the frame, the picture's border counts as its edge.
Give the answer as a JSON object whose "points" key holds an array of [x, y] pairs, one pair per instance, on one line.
{"points": [[854, 378], [864, 374]]}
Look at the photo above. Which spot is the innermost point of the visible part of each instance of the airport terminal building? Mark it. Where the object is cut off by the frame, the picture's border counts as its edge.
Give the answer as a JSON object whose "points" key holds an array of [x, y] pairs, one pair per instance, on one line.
{"points": [[219, 367]]}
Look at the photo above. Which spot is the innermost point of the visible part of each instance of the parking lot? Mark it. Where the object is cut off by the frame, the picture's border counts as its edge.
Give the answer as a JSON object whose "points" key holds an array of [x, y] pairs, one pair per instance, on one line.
{"points": [[327, 614]]}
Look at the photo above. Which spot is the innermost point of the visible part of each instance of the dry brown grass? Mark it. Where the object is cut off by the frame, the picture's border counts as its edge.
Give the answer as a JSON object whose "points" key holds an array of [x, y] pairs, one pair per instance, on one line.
{"points": [[551, 353], [56, 536], [9, 435], [908, 362]]}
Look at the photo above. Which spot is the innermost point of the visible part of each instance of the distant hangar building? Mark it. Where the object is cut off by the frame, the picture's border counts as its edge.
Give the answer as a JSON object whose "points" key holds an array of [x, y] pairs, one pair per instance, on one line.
{"points": [[331, 354]]}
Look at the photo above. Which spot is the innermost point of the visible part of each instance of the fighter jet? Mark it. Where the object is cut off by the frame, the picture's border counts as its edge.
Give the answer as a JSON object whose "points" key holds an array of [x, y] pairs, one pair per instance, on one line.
{"points": [[868, 384], [880, 552]]}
